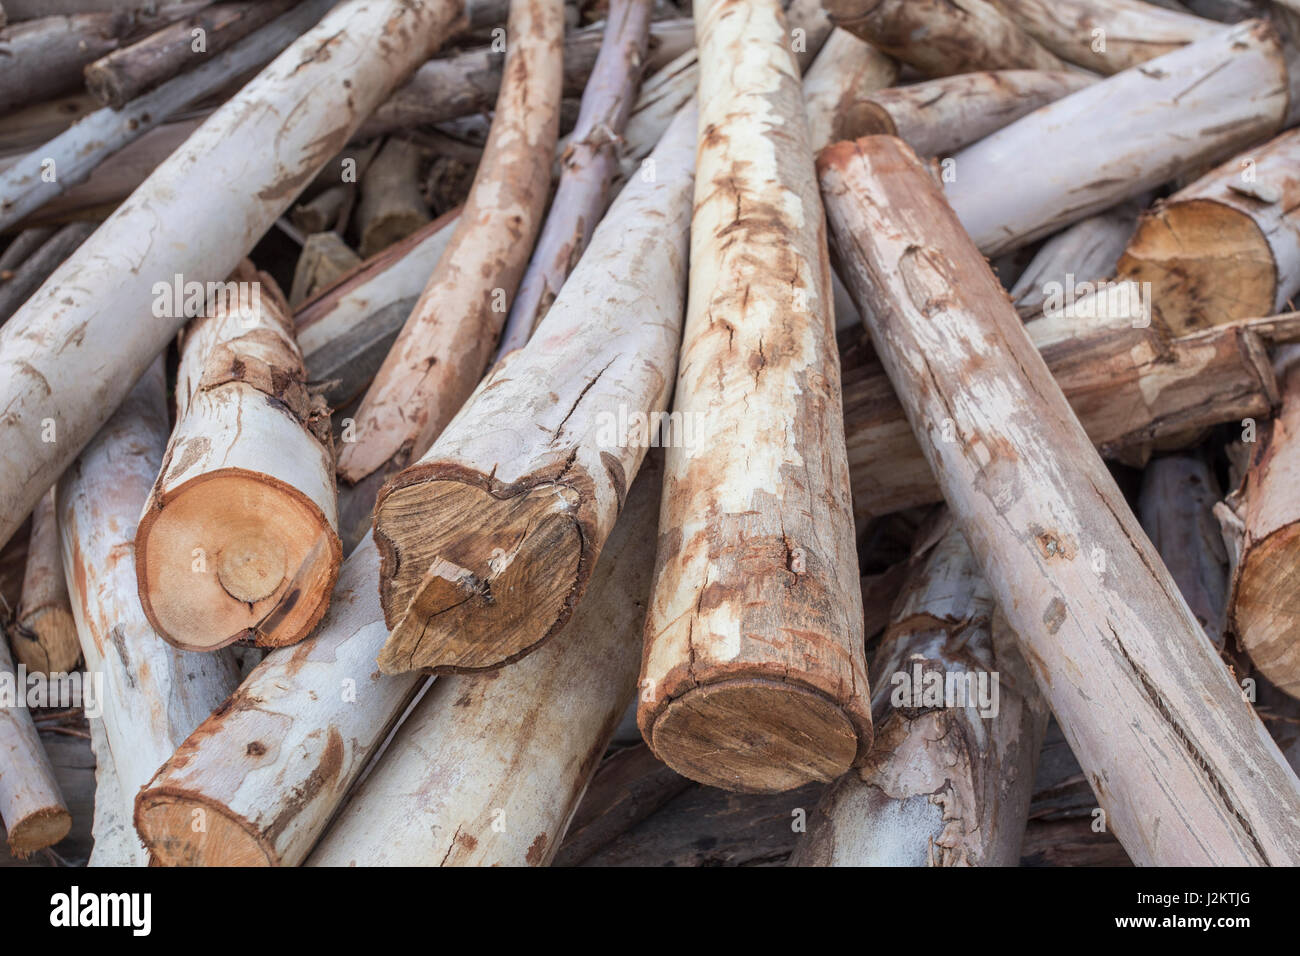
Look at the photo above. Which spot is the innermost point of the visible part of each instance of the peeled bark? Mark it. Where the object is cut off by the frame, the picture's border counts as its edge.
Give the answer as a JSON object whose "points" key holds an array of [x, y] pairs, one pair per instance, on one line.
{"points": [[73, 351], [837, 84], [489, 540], [943, 37], [754, 672], [36, 268], [31, 806], [392, 203], [1085, 252], [1227, 246], [124, 74], [489, 771], [939, 116], [1196, 105], [44, 635], [1107, 35], [949, 780], [154, 695], [588, 164], [1194, 778], [1263, 529], [444, 347]]}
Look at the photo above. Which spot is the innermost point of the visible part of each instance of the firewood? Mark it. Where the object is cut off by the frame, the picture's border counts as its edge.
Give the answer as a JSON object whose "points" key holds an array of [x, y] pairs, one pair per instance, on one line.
{"points": [[49, 169], [1162, 118], [33, 9], [70, 354], [20, 248], [36, 268], [754, 672], [445, 345], [392, 204], [124, 74], [325, 258], [155, 695], [1176, 509], [487, 771], [1227, 246], [942, 115], [1261, 522], [1107, 35], [489, 540], [1195, 777], [31, 805], [950, 778], [1083, 253], [943, 37], [115, 840], [322, 213], [239, 539], [44, 634], [836, 85], [589, 163]]}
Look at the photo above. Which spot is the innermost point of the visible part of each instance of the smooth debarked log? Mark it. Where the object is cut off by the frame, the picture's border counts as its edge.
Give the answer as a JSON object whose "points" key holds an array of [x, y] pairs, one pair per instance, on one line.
{"points": [[488, 770], [72, 353], [754, 676], [489, 540], [1227, 246], [42, 261], [1193, 777], [959, 723], [43, 633], [153, 694], [1178, 112]]}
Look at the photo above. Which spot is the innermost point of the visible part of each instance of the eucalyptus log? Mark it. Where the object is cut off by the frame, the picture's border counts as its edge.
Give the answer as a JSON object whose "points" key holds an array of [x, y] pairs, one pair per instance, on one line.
{"points": [[959, 723], [392, 203], [31, 806], [1107, 36], [154, 695], [36, 268], [124, 74], [1194, 778], [939, 116], [489, 540], [325, 211], [1082, 253], [444, 347], [838, 84], [73, 351], [488, 771], [754, 674], [239, 537], [1227, 246], [44, 634], [20, 247], [1172, 114], [325, 258], [115, 840], [943, 37]]}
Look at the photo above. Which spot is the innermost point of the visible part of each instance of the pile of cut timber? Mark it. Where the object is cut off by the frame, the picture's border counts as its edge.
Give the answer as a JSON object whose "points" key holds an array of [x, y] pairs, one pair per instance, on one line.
{"points": [[739, 432]]}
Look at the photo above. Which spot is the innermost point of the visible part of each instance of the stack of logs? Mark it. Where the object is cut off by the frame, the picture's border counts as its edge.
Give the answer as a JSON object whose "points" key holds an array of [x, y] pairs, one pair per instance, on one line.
{"points": [[623, 433]]}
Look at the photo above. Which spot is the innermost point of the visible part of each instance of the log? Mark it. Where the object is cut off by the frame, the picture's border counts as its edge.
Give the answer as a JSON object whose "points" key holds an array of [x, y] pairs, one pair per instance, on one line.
{"points": [[950, 776], [20, 248], [325, 259], [936, 117], [1194, 778], [33, 9], [115, 840], [71, 156], [1085, 252], [154, 695], [31, 805], [392, 204], [74, 350], [838, 83], [1176, 508], [124, 74], [588, 165], [444, 347], [238, 540], [489, 771], [943, 37], [489, 540], [37, 267], [1227, 246], [324, 211], [44, 634], [754, 675], [1262, 528], [1107, 36], [1162, 118]]}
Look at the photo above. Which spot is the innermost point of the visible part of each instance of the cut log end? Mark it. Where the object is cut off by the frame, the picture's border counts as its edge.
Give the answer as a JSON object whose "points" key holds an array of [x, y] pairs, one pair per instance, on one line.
{"points": [[38, 830], [181, 829], [260, 557], [459, 602], [1180, 249], [1267, 604], [45, 641], [754, 736]]}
